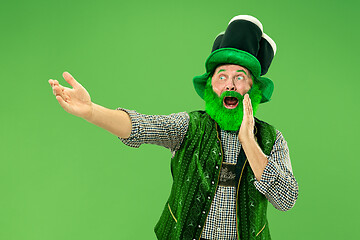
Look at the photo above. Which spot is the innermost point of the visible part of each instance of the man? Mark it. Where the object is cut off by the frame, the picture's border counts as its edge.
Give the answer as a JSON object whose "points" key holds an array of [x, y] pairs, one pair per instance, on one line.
{"points": [[226, 164]]}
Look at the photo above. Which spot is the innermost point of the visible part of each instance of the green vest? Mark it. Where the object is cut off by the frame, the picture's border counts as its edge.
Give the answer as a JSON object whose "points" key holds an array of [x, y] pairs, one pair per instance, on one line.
{"points": [[196, 169]]}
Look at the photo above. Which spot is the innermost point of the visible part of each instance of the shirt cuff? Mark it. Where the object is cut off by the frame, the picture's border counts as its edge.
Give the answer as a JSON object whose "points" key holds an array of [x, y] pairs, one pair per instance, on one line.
{"points": [[134, 140], [268, 177]]}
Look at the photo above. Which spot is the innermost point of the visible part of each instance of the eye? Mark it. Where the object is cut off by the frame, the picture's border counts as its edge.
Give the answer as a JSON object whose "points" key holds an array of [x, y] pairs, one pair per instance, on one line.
{"points": [[222, 77], [240, 78]]}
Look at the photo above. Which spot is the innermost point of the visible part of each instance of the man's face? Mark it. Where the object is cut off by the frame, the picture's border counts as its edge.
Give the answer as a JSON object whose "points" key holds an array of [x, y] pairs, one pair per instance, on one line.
{"points": [[231, 77], [224, 94]]}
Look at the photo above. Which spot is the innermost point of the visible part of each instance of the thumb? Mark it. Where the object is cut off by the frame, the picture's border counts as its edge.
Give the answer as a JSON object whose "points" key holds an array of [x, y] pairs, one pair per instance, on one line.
{"points": [[71, 80]]}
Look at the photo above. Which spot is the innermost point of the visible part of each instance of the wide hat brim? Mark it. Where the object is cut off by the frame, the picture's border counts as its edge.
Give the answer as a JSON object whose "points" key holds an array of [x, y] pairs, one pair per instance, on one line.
{"points": [[234, 56]]}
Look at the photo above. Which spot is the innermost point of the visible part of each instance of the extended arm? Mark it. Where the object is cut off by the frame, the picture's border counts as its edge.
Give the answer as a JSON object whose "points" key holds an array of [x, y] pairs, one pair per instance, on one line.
{"points": [[131, 127], [164, 130], [114, 121], [77, 102]]}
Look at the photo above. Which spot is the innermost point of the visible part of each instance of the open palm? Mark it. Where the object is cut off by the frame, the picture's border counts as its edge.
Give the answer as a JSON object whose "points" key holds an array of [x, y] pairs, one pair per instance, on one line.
{"points": [[75, 101]]}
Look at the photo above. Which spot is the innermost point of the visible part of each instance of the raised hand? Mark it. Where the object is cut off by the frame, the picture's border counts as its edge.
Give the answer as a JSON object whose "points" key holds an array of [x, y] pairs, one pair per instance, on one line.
{"points": [[247, 125], [75, 101]]}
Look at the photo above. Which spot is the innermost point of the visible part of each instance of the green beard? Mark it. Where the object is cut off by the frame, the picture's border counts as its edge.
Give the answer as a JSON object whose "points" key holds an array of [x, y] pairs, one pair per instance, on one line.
{"points": [[229, 119]]}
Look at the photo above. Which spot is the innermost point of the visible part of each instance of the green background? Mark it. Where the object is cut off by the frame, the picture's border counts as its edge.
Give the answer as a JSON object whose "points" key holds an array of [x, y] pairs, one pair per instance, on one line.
{"points": [[64, 178]]}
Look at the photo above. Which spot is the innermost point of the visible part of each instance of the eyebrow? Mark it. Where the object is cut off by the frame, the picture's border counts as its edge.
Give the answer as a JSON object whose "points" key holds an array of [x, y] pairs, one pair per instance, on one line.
{"points": [[223, 70], [242, 71]]}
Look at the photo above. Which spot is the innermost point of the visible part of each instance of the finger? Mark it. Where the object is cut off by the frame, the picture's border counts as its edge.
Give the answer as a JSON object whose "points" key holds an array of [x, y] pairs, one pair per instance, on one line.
{"points": [[245, 105], [250, 111], [65, 93], [51, 82], [249, 105], [52, 86], [61, 102], [58, 91], [71, 80], [60, 86]]}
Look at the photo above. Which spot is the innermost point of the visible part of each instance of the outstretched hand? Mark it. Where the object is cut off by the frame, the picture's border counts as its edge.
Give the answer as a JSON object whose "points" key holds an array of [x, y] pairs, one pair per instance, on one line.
{"points": [[246, 131], [75, 101]]}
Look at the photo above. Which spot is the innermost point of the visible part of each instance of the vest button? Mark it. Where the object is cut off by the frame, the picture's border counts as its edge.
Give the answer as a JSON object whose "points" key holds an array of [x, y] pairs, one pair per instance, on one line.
{"points": [[203, 212], [209, 197], [212, 182], [217, 167], [199, 226], [219, 153]]}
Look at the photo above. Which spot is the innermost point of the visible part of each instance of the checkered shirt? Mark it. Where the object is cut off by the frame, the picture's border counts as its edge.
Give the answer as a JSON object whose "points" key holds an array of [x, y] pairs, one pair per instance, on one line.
{"points": [[277, 182]]}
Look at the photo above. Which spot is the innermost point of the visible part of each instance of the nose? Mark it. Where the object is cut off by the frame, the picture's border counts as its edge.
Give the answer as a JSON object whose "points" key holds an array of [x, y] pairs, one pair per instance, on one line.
{"points": [[230, 86]]}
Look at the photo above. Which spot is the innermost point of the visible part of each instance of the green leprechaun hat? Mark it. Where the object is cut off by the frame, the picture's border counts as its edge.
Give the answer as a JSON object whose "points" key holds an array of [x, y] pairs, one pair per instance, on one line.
{"points": [[243, 43]]}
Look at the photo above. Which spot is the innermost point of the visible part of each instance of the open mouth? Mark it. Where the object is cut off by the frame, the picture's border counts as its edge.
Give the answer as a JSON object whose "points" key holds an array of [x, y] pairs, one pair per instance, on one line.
{"points": [[230, 102]]}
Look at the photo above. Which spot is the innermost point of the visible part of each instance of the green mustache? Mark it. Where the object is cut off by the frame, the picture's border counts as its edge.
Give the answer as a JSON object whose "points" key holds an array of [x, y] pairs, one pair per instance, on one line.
{"points": [[232, 94]]}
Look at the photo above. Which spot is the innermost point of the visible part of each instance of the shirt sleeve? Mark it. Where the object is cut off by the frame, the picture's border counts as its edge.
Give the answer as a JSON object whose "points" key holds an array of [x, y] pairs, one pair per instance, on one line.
{"points": [[164, 130], [277, 182]]}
